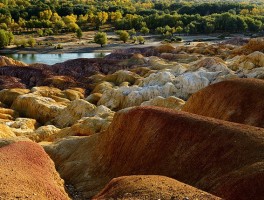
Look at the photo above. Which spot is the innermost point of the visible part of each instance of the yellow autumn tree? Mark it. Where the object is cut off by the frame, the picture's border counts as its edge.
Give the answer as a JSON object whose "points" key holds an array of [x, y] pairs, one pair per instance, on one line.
{"points": [[70, 22], [55, 17], [46, 14], [102, 17], [115, 16]]}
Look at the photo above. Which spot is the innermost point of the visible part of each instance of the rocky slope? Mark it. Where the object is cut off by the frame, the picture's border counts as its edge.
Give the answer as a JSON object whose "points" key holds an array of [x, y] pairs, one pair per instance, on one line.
{"points": [[150, 187], [139, 74], [28, 173], [47, 113], [238, 100], [4, 61], [189, 148], [62, 104]]}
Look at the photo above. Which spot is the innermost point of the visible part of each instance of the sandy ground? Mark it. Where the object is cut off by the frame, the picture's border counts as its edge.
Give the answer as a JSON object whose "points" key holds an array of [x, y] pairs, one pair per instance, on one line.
{"points": [[85, 45]]}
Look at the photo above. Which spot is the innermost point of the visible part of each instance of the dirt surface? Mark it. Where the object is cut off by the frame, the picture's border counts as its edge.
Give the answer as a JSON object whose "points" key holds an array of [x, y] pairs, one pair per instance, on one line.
{"points": [[71, 44], [26, 172], [86, 45], [219, 157], [151, 187], [238, 100]]}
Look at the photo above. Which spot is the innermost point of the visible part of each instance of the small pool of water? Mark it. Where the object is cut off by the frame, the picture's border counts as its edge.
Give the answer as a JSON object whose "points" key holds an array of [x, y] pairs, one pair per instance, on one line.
{"points": [[51, 59]]}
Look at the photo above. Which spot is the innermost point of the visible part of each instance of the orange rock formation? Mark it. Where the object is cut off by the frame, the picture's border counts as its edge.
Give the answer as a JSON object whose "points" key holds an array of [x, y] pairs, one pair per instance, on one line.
{"points": [[26, 172], [237, 100]]}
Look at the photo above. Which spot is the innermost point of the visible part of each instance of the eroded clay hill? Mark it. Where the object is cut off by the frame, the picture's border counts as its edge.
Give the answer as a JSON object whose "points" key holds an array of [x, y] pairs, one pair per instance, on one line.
{"points": [[72, 73], [190, 68], [219, 157], [27, 172], [73, 105], [5, 61], [150, 187], [238, 100]]}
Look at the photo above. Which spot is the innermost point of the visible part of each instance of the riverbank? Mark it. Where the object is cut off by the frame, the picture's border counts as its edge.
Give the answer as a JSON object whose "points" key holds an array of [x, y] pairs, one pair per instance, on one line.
{"points": [[70, 44], [73, 48]]}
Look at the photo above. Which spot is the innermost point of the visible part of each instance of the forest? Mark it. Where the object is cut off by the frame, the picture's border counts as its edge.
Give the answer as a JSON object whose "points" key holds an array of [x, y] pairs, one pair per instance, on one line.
{"points": [[48, 17]]}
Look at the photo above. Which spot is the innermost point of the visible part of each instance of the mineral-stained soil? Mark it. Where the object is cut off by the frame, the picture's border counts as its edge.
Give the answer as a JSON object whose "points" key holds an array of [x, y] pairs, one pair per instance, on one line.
{"points": [[26, 172], [150, 187], [90, 116], [72, 73], [238, 100], [216, 156]]}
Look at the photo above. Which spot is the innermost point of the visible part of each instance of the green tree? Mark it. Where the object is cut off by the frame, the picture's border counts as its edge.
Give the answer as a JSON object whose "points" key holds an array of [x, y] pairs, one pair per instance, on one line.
{"points": [[209, 27], [123, 36], [187, 29], [79, 33], [3, 26], [31, 42], [241, 24], [178, 30], [10, 37], [132, 32], [144, 30], [100, 38], [3, 39], [160, 30]]}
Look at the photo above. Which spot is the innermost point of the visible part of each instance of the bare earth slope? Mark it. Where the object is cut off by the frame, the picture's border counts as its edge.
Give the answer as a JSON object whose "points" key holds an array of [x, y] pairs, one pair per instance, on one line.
{"points": [[237, 100], [26, 172], [223, 158], [151, 187]]}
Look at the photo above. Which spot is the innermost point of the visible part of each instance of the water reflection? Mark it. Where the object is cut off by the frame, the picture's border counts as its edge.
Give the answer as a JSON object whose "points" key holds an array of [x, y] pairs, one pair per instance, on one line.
{"points": [[99, 55], [51, 59], [33, 57]]}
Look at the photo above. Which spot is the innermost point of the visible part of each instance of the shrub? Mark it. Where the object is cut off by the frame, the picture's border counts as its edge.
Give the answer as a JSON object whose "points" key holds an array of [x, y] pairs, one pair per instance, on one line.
{"points": [[40, 43], [118, 32], [79, 33], [31, 42], [132, 32], [124, 36], [141, 40], [17, 43], [134, 38], [176, 39], [23, 42], [40, 33], [144, 30], [59, 46], [48, 32]]}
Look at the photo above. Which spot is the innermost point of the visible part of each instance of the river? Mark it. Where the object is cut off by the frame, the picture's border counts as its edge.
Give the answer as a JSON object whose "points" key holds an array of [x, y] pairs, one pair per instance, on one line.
{"points": [[51, 59]]}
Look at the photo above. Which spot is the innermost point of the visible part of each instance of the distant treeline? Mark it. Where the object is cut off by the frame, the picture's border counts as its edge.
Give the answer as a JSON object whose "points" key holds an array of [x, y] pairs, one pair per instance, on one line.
{"points": [[55, 16]]}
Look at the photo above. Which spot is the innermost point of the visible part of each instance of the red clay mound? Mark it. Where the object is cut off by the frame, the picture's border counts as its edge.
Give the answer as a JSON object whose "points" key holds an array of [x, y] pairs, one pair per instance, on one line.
{"points": [[7, 82], [151, 187], [219, 157], [26, 172], [237, 100]]}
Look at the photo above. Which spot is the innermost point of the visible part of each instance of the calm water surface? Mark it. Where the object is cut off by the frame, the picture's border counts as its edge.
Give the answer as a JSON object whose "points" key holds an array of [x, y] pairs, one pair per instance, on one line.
{"points": [[51, 59]]}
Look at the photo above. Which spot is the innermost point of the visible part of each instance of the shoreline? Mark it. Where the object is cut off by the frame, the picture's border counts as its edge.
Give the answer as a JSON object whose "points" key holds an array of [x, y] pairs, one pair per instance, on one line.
{"points": [[84, 46], [93, 48]]}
